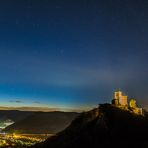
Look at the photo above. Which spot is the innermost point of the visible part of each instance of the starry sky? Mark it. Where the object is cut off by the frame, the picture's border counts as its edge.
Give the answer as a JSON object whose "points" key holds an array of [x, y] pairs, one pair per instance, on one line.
{"points": [[72, 54]]}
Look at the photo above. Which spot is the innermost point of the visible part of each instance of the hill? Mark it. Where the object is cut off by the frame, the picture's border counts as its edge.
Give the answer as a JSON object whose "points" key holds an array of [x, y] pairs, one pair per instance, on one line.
{"points": [[14, 115], [42, 123], [103, 127]]}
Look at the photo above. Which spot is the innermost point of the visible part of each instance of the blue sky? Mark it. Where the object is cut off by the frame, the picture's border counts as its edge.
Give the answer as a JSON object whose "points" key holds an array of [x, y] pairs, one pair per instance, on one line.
{"points": [[72, 54]]}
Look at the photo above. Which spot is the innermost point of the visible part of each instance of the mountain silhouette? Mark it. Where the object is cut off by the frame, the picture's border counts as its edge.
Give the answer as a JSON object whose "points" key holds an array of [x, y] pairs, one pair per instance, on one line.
{"points": [[42, 123], [103, 127]]}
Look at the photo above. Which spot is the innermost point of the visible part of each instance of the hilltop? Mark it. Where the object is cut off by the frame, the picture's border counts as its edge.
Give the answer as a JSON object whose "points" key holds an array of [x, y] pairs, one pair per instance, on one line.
{"points": [[103, 127]]}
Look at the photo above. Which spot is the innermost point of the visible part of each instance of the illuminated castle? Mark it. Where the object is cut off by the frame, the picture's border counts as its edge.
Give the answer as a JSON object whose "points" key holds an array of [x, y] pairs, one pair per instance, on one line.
{"points": [[121, 100]]}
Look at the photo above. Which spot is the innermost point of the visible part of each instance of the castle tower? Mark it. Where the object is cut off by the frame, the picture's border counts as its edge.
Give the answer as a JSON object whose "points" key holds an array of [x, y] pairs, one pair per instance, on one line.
{"points": [[117, 95]]}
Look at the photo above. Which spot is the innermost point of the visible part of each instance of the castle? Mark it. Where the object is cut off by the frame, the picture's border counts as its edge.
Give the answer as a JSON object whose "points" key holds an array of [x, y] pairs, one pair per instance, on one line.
{"points": [[121, 100]]}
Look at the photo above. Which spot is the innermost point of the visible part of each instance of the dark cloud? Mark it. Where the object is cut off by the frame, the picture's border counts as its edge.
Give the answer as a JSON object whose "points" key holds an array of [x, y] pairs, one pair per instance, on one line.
{"points": [[15, 101]]}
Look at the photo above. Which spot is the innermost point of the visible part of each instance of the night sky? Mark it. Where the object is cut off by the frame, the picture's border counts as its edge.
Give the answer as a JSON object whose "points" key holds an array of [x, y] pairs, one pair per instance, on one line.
{"points": [[72, 54]]}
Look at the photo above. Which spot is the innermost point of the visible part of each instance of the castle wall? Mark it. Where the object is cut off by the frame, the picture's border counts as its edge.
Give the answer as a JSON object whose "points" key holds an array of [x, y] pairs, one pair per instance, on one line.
{"points": [[123, 101]]}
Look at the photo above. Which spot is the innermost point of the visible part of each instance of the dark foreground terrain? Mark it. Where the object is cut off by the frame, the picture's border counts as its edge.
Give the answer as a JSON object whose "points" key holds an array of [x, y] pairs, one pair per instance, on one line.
{"points": [[103, 127]]}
